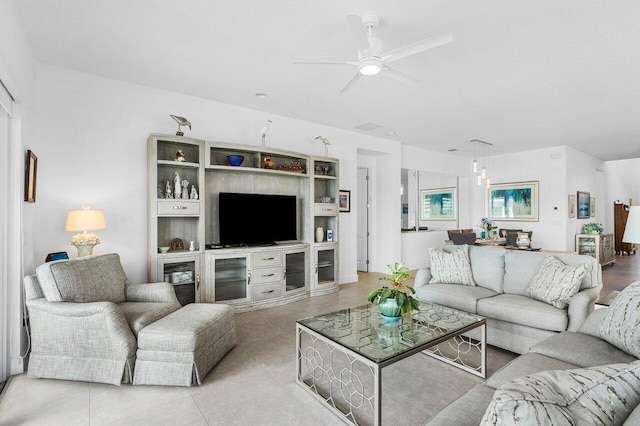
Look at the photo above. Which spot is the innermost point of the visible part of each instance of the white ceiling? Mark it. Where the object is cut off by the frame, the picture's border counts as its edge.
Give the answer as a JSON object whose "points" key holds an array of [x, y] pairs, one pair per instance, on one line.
{"points": [[520, 74]]}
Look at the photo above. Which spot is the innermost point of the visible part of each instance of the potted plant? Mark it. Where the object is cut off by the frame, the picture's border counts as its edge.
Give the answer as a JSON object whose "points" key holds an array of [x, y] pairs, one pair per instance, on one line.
{"points": [[593, 228], [396, 300], [487, 226]]}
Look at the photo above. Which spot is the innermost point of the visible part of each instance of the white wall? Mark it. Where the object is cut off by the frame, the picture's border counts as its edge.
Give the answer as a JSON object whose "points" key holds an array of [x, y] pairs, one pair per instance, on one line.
{"points": [[91, 142], [622, 183]]}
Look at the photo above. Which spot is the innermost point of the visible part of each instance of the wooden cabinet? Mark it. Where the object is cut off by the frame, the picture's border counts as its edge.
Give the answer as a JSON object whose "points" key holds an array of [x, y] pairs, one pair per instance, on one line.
{"points": [[245, 277], [599, 246], [620, 214]]}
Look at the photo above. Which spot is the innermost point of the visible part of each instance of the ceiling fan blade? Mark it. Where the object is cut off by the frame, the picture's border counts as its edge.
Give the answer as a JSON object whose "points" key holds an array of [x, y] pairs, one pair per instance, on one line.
{"points": [[324, 63], [417, 47], [399, 75], [350, 83], [355, 22]]}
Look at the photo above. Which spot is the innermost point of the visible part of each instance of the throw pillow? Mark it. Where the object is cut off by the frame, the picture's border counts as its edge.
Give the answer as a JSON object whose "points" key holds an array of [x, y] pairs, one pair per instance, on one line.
{"points": [[451, 267], [620, 326], [555, 283], [603, 395]]}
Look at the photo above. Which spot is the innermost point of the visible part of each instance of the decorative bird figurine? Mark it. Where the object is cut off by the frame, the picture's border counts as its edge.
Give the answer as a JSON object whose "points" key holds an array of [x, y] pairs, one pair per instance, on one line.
{"points": [[181, 122], [264, 130], [326, 143]]}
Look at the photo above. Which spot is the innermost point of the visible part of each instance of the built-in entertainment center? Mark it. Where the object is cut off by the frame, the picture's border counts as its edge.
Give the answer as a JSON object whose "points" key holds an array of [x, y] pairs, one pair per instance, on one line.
{"points": [[245, 225]]}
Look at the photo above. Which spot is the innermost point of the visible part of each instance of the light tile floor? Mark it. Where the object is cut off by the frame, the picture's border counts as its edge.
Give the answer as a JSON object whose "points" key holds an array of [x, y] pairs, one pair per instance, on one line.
{"points": [[254, 384]]}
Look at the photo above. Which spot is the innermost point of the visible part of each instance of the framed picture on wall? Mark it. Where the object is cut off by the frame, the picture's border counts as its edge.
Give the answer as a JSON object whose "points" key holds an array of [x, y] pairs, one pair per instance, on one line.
{"points": [[571, 205], [516, 201], [592, 207], [584, 205], [30, 174], [344, 200], [438, 204]]}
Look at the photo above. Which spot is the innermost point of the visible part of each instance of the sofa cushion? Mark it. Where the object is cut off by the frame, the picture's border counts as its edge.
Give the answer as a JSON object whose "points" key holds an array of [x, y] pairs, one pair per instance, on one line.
{"points": [[141, 314], [621, 324], [466, 410], [453, 295], [634, 418], [520, 268], [555, 283], [523, 310], [487, 266], [525, 365], [581, 350], [599, 395], [451, 267], [591, 325], [88, 279]]}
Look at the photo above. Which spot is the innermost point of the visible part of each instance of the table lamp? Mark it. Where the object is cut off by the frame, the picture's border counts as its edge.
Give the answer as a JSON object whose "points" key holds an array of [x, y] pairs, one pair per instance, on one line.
{"points": [[632, 228], [82, 221]]}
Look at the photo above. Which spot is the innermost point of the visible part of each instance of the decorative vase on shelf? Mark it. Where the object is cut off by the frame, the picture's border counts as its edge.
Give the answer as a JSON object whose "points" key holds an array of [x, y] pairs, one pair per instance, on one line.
{"points": [[523, 240], [319, 234]]}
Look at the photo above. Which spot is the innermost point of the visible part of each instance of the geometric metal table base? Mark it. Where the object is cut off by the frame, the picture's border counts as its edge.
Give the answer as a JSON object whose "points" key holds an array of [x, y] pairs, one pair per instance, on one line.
{"points": [[332, 365]]}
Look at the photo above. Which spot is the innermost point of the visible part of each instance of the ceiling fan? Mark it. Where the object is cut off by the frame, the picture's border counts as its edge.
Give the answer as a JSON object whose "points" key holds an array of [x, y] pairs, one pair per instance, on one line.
{"points": [[371, 60]]}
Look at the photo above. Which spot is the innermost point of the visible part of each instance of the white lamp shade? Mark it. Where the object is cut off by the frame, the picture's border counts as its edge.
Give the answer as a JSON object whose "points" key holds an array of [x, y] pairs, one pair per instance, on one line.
{"points": [[632, 229], [85, 220]]}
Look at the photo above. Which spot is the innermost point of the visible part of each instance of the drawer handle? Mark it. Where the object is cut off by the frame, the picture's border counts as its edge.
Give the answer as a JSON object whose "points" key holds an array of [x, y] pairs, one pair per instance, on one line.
{"points": [[267, 292], [267, 275], [179, 207], [268, 258]]}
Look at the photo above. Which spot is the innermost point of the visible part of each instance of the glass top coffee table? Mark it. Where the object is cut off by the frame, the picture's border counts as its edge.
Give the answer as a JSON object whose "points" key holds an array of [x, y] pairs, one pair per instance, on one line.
{"points": [[340, 355]]}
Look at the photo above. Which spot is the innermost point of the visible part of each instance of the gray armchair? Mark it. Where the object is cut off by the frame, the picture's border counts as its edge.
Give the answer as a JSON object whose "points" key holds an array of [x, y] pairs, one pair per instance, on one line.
{"points": [[85, 318]]}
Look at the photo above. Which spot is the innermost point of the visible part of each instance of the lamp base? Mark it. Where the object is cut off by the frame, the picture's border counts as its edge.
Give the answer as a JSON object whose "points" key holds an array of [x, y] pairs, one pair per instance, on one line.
{"points": [[85, 249]]}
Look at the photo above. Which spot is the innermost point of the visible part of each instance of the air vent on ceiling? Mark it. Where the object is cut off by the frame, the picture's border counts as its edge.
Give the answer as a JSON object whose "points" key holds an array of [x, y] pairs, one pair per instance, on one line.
{"points": [[367, 127]]}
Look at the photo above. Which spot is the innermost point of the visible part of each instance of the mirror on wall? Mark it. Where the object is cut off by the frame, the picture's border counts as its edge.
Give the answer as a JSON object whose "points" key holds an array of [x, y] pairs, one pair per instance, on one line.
{"points": [[428, 200]]}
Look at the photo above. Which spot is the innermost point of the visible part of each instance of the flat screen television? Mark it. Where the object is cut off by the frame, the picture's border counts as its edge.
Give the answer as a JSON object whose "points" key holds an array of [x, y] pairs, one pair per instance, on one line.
{"points": [[256, 219]]}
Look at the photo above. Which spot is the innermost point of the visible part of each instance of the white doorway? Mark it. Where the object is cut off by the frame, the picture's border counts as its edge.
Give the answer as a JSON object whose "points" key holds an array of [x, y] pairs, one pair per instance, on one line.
{"points": [[364, 202]]}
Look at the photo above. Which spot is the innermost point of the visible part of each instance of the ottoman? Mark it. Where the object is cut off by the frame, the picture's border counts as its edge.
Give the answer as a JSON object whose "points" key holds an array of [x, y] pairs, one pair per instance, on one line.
{"points": [[181, 348]]}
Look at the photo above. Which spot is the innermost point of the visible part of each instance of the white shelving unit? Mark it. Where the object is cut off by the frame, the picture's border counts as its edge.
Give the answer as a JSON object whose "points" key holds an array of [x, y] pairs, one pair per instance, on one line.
{"points": [[239, 276]]}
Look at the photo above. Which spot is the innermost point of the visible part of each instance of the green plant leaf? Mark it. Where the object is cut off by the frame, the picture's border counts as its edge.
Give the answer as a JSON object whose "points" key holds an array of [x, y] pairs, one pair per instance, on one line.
{"points": [[374, 294]]}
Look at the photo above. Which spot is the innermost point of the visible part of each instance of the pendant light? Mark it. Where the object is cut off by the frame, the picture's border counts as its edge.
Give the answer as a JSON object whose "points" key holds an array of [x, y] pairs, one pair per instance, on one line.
{"points": [[483, 176]]}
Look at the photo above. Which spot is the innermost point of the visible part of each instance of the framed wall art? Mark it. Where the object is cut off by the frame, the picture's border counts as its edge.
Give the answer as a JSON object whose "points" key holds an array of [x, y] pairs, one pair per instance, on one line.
{"points": [[516, 201], [584, 205], [438, 204], [571, 205], [592, 207], [30, 175], [344, 200]]}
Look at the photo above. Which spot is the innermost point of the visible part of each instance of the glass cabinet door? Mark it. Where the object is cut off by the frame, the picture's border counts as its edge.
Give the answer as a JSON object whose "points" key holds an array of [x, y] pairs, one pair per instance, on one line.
{"points": [[295, 273], [325, 266], [230, 277], [184, 275]]}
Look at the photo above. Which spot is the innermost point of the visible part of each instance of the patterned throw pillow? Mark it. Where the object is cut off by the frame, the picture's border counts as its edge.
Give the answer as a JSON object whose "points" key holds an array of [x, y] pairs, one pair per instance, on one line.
{"points": [[451, 267], [555, 283], [621, 324], [603, 395]]}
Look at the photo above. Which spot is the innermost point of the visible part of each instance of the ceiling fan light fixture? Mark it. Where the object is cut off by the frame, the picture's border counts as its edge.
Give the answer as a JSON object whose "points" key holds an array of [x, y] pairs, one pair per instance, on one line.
{"points": [[369, 66]]}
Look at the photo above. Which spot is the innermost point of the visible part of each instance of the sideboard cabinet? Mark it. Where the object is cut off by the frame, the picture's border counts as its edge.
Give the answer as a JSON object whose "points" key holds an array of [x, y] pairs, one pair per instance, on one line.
{"points": [[599, 246]]}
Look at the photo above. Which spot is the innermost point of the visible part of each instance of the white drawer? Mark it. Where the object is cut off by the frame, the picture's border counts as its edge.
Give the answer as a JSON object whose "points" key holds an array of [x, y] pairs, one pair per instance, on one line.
{"points": [[178, 207], [266, 258], [325, 209], [266, 291], [265, 275]]}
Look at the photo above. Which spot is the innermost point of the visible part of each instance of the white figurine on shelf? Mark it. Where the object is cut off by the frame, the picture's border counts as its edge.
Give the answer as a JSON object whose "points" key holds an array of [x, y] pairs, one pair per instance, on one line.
{"points": [[167, 191], [194, 193], [185, 192], [176, 185]]}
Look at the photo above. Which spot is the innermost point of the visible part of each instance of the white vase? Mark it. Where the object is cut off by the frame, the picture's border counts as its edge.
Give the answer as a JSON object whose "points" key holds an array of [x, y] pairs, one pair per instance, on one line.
{"points": [[319, 234]]}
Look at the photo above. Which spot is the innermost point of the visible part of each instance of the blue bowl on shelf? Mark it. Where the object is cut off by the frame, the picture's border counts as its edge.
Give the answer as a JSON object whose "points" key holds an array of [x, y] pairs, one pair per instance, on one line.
{"points": [[235, 160]]}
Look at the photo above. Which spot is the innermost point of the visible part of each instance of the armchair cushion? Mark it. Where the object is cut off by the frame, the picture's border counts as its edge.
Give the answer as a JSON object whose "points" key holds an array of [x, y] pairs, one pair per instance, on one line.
{"points": [[141, 314], [87, 279]]}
